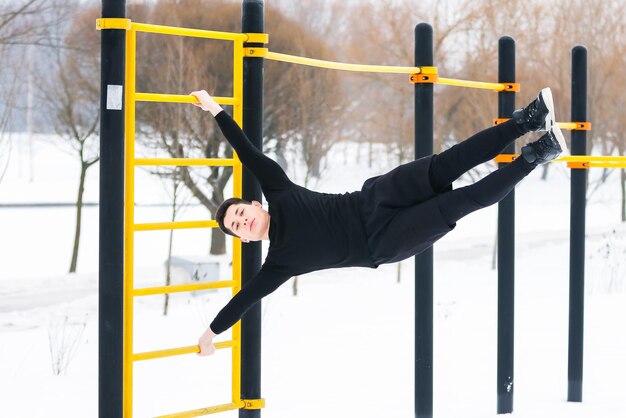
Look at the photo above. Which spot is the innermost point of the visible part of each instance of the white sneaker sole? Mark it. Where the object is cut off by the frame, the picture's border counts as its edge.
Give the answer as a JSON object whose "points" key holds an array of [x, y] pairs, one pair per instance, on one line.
{"points": [[560, 138], [547, 98]]}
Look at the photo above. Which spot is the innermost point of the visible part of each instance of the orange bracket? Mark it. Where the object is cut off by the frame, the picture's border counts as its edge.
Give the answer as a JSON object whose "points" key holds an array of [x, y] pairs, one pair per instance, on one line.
{"points": [[516, 87], [578, 165], [424, 78], [506, 158]]}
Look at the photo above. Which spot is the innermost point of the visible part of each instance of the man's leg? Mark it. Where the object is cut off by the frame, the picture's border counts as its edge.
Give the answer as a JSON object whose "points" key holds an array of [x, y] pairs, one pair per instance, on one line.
{"points": [[493, 188], [408, 231], [481, 147], [487, 144], [457, 203]]}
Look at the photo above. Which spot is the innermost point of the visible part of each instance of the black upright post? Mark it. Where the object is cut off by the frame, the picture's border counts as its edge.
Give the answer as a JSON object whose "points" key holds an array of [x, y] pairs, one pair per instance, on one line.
{"points": [[424, 117], [506, 243], [577, 228], [110, 272], [252, 22]]}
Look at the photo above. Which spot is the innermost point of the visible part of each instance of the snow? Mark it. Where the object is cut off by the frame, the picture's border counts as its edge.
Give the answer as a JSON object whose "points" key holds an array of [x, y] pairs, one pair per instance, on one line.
{"points": [[344, 346]]}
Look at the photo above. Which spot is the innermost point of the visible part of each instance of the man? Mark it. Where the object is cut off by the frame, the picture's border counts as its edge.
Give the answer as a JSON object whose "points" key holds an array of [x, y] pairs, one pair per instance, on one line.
{"points": [[394, 216]]}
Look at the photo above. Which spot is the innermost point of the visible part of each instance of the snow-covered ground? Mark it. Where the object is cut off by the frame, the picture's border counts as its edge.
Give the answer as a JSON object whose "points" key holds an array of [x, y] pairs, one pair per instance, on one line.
{"points": [[344, 346]]}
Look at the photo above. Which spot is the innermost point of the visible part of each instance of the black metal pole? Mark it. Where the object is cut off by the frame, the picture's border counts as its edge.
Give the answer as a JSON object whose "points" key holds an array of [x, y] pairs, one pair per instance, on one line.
{"points": [[506, 244], [577, 228], [424, 117], [252, 22], [110, 273]]}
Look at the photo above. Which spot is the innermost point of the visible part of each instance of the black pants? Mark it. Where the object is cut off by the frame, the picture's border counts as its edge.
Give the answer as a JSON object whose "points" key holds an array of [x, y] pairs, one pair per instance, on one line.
{"points": [[409, 208]]}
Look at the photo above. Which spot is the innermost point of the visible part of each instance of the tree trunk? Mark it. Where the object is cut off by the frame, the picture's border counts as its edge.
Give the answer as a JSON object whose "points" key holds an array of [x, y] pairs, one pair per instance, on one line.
{"points": [[623, 195], [294, 286], [399, 272], [79, 211], [218, 241], [168, 270]]}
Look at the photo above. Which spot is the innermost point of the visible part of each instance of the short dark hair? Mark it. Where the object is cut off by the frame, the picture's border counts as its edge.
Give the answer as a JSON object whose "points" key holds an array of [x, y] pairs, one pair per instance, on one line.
{"points": [[220, 213]]}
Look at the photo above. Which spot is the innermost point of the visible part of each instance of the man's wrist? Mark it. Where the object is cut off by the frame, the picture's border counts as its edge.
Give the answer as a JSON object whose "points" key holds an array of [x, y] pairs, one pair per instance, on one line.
{"points": [[215, 108]]}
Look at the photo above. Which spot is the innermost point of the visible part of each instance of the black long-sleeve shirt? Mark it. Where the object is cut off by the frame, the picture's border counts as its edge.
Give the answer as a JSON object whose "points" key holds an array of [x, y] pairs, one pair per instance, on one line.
{"points": [[308, 230]]}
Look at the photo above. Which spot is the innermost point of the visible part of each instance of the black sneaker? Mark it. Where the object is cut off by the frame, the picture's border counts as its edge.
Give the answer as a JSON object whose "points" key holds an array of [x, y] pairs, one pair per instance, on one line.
{"points": [[546, 148], [538, 115]]}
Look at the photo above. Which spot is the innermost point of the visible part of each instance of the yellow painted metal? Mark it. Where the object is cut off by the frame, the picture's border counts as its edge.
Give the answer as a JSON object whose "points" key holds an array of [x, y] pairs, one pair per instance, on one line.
{"points": [[254, 403], [186, 162], [570, 126], [473, 84], [113, 23], [161, 226], [237, 192], [257, 38], [161, 290], [171, 352], [129, 221], [577, 161], [575, 126], [205, 411], [275, 56], [255, 52], [179, 98], [194, 33], [596, 165]]}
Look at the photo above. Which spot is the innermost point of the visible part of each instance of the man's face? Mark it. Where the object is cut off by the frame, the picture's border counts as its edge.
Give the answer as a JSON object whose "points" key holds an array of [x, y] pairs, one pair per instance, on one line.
{"points": [[248, 222]]}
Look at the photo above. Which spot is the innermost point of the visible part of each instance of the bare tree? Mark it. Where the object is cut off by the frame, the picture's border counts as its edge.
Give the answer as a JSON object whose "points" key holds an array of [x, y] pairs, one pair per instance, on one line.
{"points": [[22, 23], [168, 64], [71, 99]]}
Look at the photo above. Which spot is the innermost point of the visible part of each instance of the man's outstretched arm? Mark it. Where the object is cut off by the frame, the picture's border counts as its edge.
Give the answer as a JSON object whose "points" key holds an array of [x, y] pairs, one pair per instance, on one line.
{"points": [[267, 171], [264, 283]]}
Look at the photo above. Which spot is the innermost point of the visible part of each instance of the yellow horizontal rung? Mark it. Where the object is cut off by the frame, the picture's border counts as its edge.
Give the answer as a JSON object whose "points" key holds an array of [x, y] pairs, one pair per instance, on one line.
{"points": [[161, 290], [577, 161], [175, 225], [575, 126], [180, 98], [205, 411], [186, 162], [593, 158], [195, 33], [343, 66], [571, 126], [596, 165], [171, 352], [479, 84]]}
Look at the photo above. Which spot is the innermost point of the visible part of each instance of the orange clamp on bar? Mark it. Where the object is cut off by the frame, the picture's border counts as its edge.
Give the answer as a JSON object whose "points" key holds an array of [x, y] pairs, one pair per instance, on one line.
{"points": [[516, 87], [499, 121], [505, 158], [423, 78], [584, 165]]}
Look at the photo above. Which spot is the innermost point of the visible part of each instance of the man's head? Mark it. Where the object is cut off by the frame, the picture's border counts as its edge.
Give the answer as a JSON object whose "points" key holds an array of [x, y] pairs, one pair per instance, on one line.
{"points": [[242, 219]]}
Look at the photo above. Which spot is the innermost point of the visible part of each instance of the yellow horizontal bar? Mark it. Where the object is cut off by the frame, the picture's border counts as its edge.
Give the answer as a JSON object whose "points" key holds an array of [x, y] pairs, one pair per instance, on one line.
{"points": [[186, 162], [347, 67], [592, 158], [205, 411], [161, 290], [113, 23], [600, 161], [175, 225], [607, 165], [472, 84], [180, 98], [171, 352], [195, 33]]}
